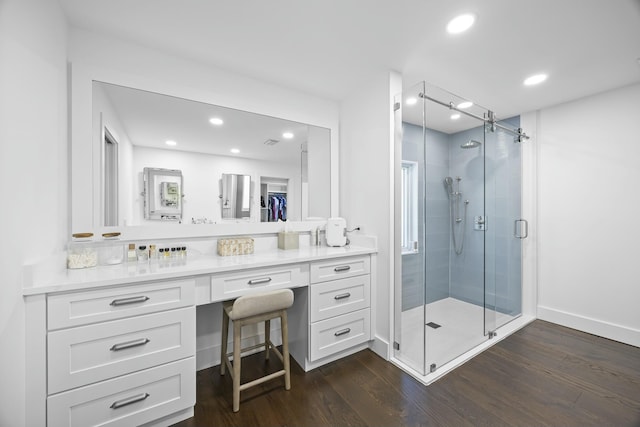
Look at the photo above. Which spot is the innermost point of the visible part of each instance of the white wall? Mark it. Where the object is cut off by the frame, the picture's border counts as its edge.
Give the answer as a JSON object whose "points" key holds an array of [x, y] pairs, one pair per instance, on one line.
{"points": [[33, 170], [366, 192], [588, 209]]}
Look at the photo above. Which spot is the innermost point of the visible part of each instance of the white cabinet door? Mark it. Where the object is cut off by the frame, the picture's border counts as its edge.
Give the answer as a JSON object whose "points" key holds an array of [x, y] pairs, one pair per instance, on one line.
{"points": [[339, 333], [88, 354], [81, 308], [339, 268], [130, 400], [228, 286], [338, 297]]}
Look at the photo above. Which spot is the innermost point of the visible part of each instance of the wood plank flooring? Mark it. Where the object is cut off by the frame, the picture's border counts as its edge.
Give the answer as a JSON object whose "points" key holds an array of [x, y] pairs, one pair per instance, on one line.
{"points": [[543, 375]]}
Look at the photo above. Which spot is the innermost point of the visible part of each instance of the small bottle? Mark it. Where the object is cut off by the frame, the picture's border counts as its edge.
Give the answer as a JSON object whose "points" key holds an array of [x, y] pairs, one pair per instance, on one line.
{"points": [[167, 254], [318, 241], [131, 253], [184, 252], [152, 252], [143, 254], [173, 252]]}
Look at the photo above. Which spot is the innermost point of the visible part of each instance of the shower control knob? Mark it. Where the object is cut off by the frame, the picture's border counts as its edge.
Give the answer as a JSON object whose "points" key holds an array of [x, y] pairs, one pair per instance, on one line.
{"points": [[480, 223]]}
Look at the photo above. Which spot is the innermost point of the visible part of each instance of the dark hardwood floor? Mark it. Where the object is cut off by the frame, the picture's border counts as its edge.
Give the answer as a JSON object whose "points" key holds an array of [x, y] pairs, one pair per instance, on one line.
{"points": [[543, 375]]}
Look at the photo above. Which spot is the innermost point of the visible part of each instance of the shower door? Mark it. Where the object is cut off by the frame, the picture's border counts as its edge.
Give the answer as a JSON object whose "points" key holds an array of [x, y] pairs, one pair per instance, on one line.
{"points": [[505, 227], [410, 275], [457, 197]]}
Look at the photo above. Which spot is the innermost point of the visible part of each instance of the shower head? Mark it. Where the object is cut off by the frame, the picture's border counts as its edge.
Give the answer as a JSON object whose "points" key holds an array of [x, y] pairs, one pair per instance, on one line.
{"points": [[472, 143]]}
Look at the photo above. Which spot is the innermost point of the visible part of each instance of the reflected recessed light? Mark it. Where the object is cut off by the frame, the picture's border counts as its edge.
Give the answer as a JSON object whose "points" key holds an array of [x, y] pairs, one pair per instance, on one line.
{"points": [[287, 135], [171, 143], [465, 104], [461, 23], [411, 101], [535, 79], [217, 121], [455, 116], [234, 150]]}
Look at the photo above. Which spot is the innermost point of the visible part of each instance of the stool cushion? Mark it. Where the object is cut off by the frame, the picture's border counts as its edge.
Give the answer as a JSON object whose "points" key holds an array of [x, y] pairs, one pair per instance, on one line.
{"points": [[260, 303]]}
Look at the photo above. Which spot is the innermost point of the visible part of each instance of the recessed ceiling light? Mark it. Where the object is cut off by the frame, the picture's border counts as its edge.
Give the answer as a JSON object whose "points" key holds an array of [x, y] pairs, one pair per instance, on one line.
{"points": [[461, 23], [535, 79], [234, 150], [455, 116], [171, 143], [287, 135], [411, 101], [216, 121], [465, 104]]}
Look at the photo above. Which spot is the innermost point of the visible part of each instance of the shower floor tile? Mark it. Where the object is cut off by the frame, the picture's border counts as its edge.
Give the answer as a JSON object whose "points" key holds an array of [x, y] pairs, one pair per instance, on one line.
{"points": [[461, 329]]}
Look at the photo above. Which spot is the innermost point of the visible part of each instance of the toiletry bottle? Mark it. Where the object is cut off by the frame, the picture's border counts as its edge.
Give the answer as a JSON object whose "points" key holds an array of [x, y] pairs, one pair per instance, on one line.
{"points": [[318, 241], [131, 253], [143, 254], [184, 252], [152, 252]]}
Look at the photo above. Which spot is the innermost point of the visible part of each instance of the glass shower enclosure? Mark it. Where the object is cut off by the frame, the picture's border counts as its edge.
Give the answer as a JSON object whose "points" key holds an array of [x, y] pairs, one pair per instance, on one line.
{"points": [[458, 194]]}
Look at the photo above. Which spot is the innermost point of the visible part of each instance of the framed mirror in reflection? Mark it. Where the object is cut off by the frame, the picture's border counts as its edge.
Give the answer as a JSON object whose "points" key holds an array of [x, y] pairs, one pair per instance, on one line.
{"points": [[139, 130]]}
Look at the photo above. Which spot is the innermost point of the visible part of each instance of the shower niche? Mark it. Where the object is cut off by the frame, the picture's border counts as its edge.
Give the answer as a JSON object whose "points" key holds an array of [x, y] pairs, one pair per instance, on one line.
{"points": [[464, 280]]}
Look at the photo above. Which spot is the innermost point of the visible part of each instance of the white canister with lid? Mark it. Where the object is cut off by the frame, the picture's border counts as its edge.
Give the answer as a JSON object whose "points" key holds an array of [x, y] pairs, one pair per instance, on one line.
{"points": [[81, 251], [111, 251]]}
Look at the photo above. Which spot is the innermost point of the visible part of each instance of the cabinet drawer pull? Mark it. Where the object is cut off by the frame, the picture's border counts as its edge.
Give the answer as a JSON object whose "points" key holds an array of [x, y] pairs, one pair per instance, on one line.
{"points": [[131, 300], [129, 400], [258, 281], [342, 296], [342, 332], [342, 268], [129, 344]]}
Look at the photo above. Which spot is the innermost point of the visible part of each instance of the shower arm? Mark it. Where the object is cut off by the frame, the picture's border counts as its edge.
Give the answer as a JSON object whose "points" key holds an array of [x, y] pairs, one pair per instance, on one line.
{"points": [[520, 135]]}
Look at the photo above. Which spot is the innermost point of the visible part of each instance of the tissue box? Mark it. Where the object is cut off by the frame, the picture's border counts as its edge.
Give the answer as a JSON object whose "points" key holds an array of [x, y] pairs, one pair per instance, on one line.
{"points": [[288, 240], [235, 246]]}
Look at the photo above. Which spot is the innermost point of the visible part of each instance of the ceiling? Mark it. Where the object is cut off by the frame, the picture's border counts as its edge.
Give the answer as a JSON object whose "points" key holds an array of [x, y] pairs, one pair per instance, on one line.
{"points": [[330, 48]]}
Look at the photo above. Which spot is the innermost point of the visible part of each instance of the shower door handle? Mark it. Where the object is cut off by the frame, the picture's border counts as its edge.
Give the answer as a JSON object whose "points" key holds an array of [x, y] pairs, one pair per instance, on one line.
{"points": [[526, 229]]}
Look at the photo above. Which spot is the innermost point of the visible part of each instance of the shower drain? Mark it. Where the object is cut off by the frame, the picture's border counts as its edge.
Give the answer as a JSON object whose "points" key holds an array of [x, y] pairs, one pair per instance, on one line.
{"points": [[433, 325]]}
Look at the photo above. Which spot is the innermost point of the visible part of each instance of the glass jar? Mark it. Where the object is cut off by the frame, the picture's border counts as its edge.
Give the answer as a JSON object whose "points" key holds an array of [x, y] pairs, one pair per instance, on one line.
{"points": [[81, 251], [111, 251]]}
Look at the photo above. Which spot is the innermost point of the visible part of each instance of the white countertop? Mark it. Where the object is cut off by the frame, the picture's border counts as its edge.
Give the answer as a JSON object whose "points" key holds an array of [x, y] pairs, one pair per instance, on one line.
{"points": [[52, 277]]}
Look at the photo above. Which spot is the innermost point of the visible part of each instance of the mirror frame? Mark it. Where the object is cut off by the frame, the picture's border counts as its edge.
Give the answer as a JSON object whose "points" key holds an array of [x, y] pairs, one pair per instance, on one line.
{"points": [[86, 187]]}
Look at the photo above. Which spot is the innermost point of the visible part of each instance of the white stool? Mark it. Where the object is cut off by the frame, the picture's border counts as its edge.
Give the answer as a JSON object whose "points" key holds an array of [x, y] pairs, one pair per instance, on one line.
{"points": [[247, 310]]}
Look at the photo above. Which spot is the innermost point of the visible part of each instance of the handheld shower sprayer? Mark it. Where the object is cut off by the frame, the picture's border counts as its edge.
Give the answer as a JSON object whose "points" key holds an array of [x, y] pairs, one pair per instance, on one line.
{"points": [[448, 184]]}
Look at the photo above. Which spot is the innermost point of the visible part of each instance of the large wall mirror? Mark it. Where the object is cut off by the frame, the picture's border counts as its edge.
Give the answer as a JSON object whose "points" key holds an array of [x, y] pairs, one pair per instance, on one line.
{"points": [[206, 143]]}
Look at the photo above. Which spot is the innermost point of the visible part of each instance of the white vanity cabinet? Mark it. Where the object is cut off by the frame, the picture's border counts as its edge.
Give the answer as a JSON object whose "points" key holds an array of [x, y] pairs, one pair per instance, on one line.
{"points": [[122, 355], [339, 305], [116, 345]]}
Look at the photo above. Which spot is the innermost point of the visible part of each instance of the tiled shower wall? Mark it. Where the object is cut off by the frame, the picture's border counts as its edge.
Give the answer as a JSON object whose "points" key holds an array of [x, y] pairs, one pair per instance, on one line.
{"points": [[463, 276]]}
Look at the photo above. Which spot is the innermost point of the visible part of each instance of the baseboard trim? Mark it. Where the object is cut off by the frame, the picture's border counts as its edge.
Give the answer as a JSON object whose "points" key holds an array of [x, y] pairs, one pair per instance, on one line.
{"points": [[592, 326], [380, 347]]}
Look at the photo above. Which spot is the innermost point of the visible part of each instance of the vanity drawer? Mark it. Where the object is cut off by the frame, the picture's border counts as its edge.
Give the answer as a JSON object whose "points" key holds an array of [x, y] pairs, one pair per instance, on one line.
{"points": [[232, 285], [81, 308], [339, 333], [88, 354], [339, 268], [130, 400], [338, 297]]}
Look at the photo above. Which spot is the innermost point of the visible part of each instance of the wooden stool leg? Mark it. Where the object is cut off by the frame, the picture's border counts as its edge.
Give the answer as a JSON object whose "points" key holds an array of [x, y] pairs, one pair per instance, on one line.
{"points": [[284, 326], [237, 327], [225, 340], [267, 338]]}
